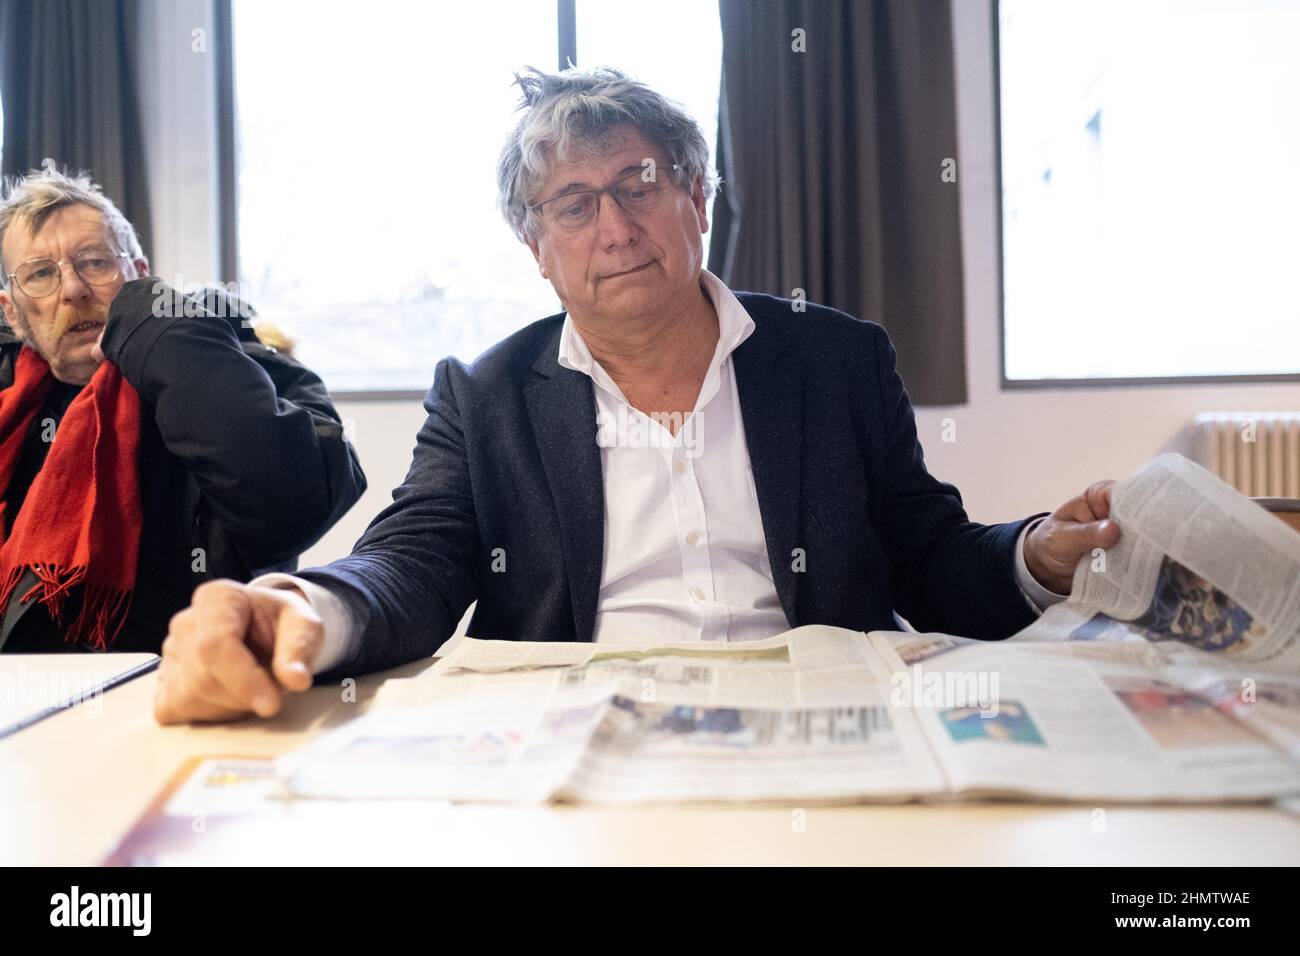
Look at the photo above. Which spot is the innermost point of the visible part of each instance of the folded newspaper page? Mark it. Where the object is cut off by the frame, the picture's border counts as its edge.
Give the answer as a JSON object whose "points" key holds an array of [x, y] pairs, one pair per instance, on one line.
{"points": [[1171, 674], [1197, 565]]}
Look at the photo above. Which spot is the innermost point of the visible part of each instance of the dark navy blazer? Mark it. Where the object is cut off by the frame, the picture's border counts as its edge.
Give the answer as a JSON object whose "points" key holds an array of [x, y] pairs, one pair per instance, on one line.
{"points": [[507, 475]]}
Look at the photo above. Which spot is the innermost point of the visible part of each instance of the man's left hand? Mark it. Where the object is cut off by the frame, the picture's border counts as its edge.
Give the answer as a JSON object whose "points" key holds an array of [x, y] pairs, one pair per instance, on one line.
{"points": [[1053, 548]]}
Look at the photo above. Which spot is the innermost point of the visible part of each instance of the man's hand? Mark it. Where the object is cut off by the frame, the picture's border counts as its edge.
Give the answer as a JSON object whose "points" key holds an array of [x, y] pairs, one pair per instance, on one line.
{"points": [[235, 650], [1053, 548]]}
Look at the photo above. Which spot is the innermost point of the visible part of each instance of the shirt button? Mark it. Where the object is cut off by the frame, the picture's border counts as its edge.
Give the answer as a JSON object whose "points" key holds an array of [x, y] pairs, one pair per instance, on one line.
{"points": [[692, 538], [680, 467], [697, 594]]}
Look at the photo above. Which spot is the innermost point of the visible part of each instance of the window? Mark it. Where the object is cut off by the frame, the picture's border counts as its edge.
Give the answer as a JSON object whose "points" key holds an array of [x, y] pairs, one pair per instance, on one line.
{"points": [[1149, 189], [367, 148]]}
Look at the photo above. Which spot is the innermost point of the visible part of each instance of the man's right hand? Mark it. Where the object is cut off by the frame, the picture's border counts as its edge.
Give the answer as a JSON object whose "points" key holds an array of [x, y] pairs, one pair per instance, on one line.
{"points": [[236, 650]]}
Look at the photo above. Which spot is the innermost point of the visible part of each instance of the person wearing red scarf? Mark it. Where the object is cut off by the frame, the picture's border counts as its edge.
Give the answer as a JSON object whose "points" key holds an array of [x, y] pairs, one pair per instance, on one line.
{"points": [[80, 522], [146, 443]]}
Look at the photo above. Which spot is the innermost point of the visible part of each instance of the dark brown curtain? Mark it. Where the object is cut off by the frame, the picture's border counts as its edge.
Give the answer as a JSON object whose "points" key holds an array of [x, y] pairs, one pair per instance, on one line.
{"points": [[67, 85], [833, 164]]}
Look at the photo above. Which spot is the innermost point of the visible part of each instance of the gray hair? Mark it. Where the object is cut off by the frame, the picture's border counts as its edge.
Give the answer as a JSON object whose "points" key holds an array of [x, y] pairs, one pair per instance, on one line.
{"points": [[572, 113], [33, 197]]}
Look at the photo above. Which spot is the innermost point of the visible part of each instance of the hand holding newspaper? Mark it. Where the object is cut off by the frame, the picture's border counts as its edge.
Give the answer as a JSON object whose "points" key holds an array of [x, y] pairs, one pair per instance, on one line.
{"points": [[1171, 673]]}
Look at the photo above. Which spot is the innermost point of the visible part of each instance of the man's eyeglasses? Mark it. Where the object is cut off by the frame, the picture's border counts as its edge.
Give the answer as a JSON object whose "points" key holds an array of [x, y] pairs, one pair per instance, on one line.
{"points": [[41, 277], [634, 194]]}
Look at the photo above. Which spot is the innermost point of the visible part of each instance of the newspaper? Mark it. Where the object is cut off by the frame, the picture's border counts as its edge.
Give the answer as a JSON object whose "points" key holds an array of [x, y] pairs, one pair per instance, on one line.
{"points": [[1197, 564], [805, 714], [1171, 674]]}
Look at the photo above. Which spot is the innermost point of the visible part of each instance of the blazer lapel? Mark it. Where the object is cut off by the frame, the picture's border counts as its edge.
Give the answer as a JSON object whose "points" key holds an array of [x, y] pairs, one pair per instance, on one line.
{"points": [[562, 409], [771, 404]]}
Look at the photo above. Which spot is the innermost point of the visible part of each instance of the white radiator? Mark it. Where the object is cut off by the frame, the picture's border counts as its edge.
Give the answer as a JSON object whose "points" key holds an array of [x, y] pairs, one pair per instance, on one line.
{"points": [[1258, 453]]}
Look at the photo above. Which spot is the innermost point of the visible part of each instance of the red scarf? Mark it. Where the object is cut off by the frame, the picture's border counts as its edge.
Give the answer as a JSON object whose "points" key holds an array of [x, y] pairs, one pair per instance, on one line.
{"points": [[80, 522]]}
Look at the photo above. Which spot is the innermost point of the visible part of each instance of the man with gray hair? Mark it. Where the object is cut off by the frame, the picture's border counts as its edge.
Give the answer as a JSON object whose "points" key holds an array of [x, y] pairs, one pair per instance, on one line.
{"points": [[146, 444], [666, 459]]}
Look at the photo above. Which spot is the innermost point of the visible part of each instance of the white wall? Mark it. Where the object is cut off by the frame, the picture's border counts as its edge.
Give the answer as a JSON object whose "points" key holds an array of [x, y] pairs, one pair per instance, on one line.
{"points": [[1016, 452], [384, 436]]}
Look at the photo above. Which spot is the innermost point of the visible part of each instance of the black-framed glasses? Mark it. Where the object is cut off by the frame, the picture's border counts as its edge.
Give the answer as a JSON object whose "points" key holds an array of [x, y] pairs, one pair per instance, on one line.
{"points": [[41, 277], [634, 193]]}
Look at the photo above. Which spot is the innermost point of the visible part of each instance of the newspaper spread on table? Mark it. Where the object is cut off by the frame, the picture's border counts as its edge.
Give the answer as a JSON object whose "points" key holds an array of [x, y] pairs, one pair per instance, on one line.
{"points": [[1171, 674]]}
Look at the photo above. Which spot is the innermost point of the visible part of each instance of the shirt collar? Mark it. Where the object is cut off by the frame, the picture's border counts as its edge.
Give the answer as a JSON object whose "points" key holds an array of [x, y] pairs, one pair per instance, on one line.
{"points": [[734, 326]]}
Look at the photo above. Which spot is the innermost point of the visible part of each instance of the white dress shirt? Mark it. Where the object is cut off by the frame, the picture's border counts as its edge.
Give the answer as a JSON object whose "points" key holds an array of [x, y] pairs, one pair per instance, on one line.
{"points": [[685, 557]]}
